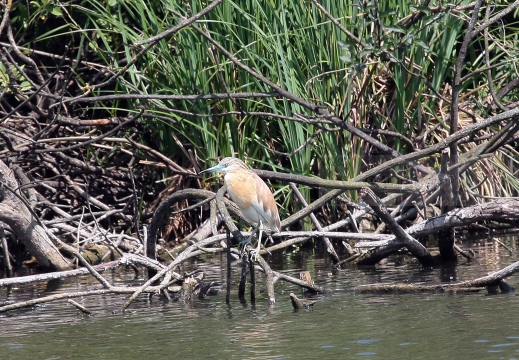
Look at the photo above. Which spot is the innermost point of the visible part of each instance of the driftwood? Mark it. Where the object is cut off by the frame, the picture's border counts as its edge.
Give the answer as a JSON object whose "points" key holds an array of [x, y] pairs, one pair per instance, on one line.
{"points": [[16, 213], [417, 249], [60, 209], [298, 303], [499, 210], [503, 210], [490, 282]]}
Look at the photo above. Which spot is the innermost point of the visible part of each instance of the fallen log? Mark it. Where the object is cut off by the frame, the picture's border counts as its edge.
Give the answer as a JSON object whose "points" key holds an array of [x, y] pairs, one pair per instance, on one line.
{"points": [[25, 225]]}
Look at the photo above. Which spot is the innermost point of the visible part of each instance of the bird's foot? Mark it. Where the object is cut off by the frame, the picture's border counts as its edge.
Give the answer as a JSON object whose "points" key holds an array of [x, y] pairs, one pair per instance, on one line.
{"points": [[254, 253], [243, 244]]}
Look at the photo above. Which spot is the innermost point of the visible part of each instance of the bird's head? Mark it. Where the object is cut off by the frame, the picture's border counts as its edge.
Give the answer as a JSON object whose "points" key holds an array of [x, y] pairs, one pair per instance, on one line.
{"points": [[226, 165]]}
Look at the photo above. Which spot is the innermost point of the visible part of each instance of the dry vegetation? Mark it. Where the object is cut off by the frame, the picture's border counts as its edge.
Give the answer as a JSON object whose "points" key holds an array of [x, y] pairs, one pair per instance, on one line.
{"points": [[108, 112]]}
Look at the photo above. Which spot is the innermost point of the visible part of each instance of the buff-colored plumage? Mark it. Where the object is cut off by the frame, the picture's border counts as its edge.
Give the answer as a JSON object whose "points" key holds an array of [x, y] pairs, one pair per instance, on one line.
{"points": [[252, 196]]}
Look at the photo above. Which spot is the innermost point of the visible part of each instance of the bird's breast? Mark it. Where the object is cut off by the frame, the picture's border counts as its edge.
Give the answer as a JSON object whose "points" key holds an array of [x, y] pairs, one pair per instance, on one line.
{"points": [[253, 197], [241, 190]]}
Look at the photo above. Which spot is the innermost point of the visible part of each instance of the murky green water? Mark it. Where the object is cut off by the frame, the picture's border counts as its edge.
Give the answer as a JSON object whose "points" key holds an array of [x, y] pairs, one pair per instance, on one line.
{"points": [[342, 325]]}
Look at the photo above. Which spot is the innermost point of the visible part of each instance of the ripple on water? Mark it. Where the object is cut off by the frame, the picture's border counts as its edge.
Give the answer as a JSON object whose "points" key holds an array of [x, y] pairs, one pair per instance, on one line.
{"points": [[383, 325], [368, 341]]}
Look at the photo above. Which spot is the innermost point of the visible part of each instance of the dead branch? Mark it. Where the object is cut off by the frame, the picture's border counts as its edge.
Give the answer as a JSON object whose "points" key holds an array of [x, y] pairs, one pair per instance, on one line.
{"points": [[24, 223], [488, 281], [80, 307], [503, 210], [329, 245], [337, 184], [301, 303], [57, 274], [454, 110], [446, 237], [417, 249]]}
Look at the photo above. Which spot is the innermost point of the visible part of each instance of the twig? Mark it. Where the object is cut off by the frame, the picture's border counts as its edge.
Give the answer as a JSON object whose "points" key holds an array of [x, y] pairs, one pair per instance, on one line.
{"points": [[327, 242], [212, 96], [96, 139], [339, 25], [83, 309]]}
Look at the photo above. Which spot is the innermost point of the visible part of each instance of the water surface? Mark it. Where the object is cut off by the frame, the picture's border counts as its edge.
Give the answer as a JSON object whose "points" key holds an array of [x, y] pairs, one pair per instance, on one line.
{"points": [[341, 325]]}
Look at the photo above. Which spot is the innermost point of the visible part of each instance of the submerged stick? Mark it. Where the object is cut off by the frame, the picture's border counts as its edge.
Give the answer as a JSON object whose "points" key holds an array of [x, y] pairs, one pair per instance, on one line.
{"points": [[228, 252], [494, 279], [446, 236], [301, 303], [81, 308], [243, 280], [5, 250], [252, 279]]}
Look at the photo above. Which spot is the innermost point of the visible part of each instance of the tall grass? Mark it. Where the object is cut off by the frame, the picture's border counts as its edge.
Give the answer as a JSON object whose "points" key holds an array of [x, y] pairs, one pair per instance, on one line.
{"points": [[391, 83]]}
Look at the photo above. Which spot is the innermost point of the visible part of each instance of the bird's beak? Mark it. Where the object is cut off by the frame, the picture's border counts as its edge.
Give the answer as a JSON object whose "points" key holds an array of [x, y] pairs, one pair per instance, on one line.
{"points": [[213, 169]]}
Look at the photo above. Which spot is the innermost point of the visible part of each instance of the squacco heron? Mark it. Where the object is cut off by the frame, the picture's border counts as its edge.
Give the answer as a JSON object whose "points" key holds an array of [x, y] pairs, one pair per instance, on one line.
{"points": [[250, 194]]}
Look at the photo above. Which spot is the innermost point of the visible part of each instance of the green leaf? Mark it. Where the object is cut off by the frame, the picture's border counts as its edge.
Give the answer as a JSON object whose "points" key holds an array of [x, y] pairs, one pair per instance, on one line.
{"points": [[25, 86], [56, 11], [346, 58], [395, 29], [422, 44]]}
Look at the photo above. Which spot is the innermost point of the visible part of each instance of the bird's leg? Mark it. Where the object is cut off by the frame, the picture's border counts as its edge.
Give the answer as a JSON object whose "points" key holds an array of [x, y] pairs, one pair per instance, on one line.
{"points": [[248, 240], [256, 252], [259, 240]]}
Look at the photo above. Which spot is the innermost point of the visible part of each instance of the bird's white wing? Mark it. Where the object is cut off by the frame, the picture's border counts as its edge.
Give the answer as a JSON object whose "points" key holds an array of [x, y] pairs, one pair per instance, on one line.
{"points": [[265, 204]]}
